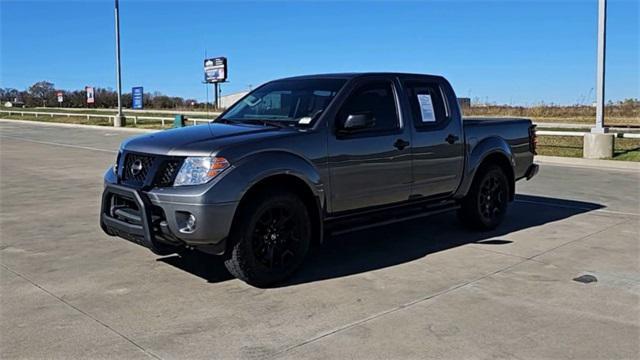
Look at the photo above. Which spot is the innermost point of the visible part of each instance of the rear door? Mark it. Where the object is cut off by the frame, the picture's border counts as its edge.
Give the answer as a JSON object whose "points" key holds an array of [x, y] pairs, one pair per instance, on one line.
{"points": [[371, 166], [437, 142]]}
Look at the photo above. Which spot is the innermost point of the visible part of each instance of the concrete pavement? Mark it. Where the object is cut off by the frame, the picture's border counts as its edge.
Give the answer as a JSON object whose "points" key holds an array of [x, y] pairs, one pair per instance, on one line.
{"points": [[421, 289]]}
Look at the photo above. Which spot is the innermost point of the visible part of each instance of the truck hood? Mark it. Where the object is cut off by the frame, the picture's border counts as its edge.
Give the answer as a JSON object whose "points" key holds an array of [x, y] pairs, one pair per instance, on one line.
{"points": [[198, 140]]}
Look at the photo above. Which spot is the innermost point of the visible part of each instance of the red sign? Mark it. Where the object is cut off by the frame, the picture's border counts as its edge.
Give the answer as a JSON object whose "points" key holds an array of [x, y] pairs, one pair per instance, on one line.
{"points": [[60, 96], [90, 94]]}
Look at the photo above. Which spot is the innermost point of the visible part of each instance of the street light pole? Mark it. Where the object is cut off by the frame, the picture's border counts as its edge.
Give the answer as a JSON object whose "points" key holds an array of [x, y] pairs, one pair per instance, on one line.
{"points": [[598, 144], [118, 120], [602, 31]]}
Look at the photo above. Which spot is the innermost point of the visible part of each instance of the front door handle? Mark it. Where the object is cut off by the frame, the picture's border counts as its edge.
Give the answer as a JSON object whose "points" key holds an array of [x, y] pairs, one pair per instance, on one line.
{"points": [[401, 144], [451, 139]]}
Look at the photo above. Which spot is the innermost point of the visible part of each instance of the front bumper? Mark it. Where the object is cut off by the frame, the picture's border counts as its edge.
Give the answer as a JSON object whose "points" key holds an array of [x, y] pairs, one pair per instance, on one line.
{"points": [[159, 225], [532, 171]]}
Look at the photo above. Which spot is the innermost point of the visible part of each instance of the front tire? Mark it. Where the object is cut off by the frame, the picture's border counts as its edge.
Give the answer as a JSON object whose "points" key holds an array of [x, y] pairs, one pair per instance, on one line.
{"points": [[270, 239], [485, 205]]}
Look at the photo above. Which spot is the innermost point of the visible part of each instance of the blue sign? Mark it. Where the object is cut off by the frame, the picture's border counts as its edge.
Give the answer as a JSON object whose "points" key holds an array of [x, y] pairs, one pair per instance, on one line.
{"points": [[137, 96]]}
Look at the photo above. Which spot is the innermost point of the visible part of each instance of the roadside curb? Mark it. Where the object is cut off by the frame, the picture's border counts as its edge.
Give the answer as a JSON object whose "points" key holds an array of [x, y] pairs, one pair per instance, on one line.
{"points": [[78, 126], [588, 163]]}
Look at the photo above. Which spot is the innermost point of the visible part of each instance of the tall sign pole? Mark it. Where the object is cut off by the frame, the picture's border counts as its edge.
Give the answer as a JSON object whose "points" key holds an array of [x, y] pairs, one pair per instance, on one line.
{"points": [[215, 71], [118, 119], [602, 32]]}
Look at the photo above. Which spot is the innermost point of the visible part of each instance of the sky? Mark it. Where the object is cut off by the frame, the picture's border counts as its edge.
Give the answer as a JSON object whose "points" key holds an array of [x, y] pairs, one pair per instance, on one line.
{"points": [[506, 52]]}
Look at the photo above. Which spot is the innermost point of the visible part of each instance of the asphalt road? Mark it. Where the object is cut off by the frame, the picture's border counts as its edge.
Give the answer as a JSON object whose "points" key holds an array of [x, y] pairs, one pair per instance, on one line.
{"points": [[420, 289]]}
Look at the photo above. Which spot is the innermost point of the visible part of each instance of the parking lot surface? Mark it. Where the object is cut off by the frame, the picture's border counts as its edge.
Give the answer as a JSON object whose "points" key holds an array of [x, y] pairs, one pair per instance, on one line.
{"points": [[421, 289]]}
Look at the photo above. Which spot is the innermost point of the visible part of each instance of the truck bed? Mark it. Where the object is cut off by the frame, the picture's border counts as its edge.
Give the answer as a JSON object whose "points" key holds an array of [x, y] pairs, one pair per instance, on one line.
{"points": [[481, 120], [515, 131]]}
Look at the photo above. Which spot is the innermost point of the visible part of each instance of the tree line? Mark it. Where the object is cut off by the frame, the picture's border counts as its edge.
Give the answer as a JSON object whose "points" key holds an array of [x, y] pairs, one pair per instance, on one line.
{"points": [[44, 94]]}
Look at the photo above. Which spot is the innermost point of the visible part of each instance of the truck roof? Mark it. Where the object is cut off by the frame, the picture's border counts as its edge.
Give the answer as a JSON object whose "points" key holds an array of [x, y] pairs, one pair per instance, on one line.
{"points": [[352, 75]]}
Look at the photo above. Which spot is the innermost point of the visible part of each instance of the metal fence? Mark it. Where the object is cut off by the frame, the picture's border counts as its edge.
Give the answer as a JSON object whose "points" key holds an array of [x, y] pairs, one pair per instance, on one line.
{"points": [[194, 121], [583, 133], [135, 118]]}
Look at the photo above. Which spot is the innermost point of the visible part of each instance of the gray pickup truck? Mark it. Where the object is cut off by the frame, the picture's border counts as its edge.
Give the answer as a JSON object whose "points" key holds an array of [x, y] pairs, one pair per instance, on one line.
{"points": [[302, 157]]}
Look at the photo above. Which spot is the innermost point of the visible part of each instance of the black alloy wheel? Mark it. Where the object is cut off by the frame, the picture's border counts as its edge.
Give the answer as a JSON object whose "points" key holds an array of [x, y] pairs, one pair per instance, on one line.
{"points": [[493, 197], [485, 205], [271, 238], [276, 237]]}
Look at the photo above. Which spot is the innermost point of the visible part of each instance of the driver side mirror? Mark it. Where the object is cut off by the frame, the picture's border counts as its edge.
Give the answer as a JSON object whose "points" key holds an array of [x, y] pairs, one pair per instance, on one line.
{"points": [[359, 122]]}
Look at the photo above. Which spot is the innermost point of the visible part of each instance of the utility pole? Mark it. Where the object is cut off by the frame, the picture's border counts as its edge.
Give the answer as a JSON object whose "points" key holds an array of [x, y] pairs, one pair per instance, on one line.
{"points": [[602, 46], [118, 120]]}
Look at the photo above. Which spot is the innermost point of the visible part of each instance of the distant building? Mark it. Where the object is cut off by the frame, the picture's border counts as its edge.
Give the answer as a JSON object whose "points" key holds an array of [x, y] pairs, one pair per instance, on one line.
{"points": [[14, 103], [228, 100], [464, 102]]}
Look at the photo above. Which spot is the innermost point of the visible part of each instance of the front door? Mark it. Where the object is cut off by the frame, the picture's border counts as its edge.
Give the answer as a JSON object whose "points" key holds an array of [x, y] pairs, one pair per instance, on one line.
{"points": [[370, 165]]}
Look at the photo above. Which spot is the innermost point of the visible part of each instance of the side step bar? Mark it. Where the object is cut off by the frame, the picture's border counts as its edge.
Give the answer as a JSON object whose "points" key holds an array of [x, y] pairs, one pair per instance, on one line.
{"points": [[340, 227]]}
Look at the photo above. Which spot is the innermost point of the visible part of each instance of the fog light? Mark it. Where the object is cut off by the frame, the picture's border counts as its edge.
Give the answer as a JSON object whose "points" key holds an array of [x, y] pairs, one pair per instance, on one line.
{"points": [[189, 224]]}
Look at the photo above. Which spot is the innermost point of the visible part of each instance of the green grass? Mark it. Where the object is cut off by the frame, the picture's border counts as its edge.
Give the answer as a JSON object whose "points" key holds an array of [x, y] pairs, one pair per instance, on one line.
{"points": [[631, 155], [571, 146]]}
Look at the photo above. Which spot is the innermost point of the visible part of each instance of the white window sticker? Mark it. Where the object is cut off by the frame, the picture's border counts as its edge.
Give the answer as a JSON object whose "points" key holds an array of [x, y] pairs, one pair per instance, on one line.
{"points": [[305, 120], [426, 108]]}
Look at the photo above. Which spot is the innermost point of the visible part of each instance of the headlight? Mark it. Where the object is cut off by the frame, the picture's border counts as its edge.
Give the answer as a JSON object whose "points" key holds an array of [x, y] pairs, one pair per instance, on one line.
{"points": [[199, 170], [115, 165]]}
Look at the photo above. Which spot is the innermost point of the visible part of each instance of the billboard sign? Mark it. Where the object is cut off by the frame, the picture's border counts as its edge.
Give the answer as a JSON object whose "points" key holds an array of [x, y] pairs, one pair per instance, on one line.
{"points": [[60, 97], [215, 70], [90, 94], [137, 97]]}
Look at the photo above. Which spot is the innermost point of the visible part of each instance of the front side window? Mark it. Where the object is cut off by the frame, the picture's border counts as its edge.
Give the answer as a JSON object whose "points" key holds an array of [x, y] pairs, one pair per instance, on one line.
{"points": [[375, 99], [289, 102]]}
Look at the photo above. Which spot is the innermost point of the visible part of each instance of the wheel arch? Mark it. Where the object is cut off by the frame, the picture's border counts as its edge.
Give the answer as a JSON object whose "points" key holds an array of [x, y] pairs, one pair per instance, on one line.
{"points": [[291, 183], [281, 170], [491, 151], [501, 160]]}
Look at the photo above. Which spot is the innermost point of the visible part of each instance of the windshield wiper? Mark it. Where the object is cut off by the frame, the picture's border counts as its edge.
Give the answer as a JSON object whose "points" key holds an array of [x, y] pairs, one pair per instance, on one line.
{"points": [[227, 121], [264, 122]]}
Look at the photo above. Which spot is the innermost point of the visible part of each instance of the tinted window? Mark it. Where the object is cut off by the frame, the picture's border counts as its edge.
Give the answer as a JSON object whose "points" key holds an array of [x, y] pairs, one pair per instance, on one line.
{"points": [[287, 101], [427, 104], [375, 98]]}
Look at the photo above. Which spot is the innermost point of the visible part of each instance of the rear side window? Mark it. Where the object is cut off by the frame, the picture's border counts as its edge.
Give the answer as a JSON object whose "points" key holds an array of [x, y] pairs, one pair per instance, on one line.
{"points": [[427, 104], [376, 98]]}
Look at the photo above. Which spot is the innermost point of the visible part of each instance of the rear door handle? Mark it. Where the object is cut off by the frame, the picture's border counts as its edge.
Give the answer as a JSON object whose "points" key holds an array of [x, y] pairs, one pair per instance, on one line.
{"points": [[401, 144], [451, 139]]}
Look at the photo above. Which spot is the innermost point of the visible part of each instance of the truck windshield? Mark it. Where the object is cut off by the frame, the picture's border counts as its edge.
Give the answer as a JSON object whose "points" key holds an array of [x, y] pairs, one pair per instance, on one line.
{"points": [[285, 102]]}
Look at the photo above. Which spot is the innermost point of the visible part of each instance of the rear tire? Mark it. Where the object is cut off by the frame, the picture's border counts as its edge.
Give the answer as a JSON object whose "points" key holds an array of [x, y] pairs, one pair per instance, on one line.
{"points": [[485, 205], [270, 239]]}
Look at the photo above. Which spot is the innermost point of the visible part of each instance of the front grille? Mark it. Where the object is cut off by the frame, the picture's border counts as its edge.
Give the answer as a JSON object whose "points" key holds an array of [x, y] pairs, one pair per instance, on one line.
{"points": [[168, 172], [136, 168], [139, 170]]}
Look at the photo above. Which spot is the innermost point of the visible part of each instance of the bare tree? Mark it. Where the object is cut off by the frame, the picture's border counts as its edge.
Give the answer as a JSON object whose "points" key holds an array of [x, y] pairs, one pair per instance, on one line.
{"points": [[42, 90]]}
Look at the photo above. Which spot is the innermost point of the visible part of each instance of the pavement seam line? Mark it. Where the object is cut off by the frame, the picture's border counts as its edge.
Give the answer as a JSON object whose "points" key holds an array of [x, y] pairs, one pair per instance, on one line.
{"points": [[433, 296], [77, 126], [58, 144], [147, 352], [548, 263], [394, 309], [578, 239]]}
